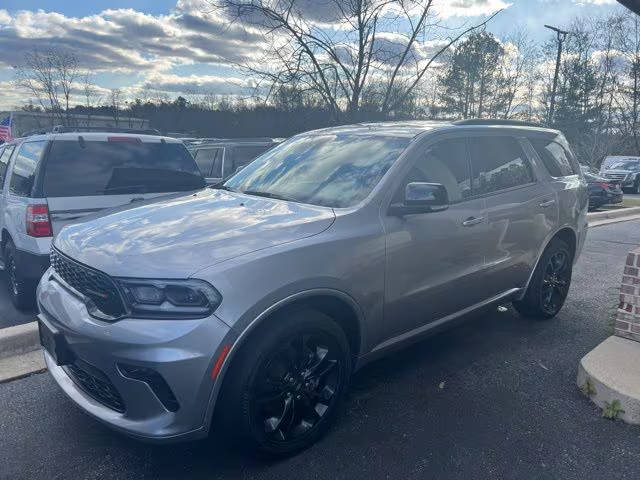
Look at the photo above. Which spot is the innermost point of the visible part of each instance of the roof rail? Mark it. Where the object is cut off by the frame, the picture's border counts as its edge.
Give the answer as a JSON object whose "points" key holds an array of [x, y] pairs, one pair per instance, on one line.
{"points": [[497, 121], [142, 131]]}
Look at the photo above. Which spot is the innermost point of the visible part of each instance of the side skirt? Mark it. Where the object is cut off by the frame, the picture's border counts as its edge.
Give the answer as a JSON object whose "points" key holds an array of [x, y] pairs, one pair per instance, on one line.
{"points": [[431, 328]]}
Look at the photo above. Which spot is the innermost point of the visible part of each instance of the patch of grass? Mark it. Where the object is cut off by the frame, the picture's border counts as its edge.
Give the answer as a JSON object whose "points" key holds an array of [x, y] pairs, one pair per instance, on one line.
{"points": [[612, 410], [631, 201], [588, 389]]}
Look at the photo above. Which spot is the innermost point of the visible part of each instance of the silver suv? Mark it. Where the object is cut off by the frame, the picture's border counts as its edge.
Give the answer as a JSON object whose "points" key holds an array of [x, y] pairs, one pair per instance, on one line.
{"points": [[253, 303], [50, 180]]}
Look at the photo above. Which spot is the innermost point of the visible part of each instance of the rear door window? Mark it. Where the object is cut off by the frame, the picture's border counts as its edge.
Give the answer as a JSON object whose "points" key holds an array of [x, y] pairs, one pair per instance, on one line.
{"points": [[556, 159], [118, 167], [498, 163], [24, 168], [209, 161]]}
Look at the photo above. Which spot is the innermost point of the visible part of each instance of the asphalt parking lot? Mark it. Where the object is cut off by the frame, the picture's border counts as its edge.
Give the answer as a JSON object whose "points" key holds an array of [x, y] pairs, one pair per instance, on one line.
{"points": [[493, 398]]}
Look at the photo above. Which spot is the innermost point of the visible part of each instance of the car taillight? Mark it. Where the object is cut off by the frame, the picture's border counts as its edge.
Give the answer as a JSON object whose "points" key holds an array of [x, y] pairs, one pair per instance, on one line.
{"points": [[38, 222], [604, 185]]}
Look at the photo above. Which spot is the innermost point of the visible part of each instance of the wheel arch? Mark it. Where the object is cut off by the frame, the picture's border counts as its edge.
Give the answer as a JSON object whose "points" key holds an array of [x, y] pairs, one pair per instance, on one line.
{"points": [[565, 233], [334, 303]]}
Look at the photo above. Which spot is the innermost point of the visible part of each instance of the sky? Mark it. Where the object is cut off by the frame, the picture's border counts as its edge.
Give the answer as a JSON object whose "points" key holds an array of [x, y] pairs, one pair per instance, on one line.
{"points": [[184, 46]]}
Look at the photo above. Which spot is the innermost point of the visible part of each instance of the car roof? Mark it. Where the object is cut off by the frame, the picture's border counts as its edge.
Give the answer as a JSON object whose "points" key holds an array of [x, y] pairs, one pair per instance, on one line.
{"points": [[97, 137], [413, 128]]}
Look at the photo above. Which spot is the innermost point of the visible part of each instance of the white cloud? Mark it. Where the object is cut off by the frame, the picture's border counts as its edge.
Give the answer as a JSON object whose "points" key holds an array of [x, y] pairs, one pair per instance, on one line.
{"points": [[127, 40]]}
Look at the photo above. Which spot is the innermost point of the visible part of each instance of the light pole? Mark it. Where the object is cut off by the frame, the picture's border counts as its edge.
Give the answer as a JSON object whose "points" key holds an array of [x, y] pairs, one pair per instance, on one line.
{"points": [[562, 35]]}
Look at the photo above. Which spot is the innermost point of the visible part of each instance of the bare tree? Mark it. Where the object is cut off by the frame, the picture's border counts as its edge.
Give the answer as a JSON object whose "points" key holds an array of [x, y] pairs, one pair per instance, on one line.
{"points": [[115, 97], [339, 61], [90, 94], [50, 77], [516, 76]]}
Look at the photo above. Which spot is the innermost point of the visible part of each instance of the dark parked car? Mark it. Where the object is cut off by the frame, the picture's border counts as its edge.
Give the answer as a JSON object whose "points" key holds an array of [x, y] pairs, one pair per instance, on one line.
{"points": [[602, 191], [221, 158]]}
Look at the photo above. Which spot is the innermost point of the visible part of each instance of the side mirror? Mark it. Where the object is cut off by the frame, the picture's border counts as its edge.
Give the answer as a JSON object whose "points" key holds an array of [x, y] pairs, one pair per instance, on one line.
{"points": [[421, 197]]}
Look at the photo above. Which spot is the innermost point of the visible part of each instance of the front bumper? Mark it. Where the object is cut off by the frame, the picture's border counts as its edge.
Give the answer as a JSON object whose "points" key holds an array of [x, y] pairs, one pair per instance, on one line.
{"points": [[182, 352]]}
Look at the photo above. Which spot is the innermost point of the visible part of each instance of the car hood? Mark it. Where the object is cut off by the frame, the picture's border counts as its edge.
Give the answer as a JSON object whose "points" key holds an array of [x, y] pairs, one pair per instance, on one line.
{"points": [[179, 235]]}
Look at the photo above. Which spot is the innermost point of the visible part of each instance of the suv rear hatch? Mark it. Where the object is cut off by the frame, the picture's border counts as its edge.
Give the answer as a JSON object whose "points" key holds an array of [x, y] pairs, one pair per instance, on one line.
{"points": [[84, 176]]}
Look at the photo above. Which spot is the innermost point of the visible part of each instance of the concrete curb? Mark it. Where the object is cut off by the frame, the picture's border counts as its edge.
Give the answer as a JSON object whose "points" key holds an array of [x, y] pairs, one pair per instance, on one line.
{"points": [[19, 339], [20, 353], [610, 373], [620, 212]]}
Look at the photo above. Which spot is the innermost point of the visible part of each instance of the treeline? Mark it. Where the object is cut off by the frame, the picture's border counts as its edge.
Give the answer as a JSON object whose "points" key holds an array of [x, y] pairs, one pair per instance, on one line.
{"points": [[597, 100]]}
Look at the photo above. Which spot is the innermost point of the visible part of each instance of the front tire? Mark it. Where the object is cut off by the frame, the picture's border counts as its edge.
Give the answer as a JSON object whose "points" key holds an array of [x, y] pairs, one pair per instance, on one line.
{"points": [[21, 290], [549, 284], [287, 383]]}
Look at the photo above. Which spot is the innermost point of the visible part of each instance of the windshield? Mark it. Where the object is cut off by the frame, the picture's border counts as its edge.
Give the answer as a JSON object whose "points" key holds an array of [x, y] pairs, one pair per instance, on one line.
{"points": [[628, 165], [117, 168], [329, 170]]}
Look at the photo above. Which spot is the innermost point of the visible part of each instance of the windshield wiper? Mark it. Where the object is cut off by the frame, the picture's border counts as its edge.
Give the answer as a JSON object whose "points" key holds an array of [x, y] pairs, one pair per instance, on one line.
{"points": [[220, 186], [276, 196]]}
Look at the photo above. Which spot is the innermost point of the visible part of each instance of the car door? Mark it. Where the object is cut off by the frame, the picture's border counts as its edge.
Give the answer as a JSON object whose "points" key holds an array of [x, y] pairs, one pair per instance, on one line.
{"points": [[434, 260], [209, 161], [521, 210]]}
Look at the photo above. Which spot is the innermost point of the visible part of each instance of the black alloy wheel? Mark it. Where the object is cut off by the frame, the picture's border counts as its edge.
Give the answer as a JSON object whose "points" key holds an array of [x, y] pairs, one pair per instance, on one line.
{"points": [[295, 387], [285, 384], [555, 283], [549, 284]]}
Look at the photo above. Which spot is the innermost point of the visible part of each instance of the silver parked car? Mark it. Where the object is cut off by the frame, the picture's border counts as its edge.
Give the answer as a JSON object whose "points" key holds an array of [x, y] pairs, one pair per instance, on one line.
{"points": [[49, 180], [253, 303]]}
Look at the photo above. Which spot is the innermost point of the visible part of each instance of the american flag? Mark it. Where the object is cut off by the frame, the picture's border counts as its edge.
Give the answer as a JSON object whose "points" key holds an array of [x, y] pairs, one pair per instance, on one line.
{"points": [[5, 129]]}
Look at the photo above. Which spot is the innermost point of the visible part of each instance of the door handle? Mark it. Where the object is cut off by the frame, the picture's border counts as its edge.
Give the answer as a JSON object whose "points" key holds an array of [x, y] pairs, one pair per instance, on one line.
{"points": [[548, 203], [471, 221]]}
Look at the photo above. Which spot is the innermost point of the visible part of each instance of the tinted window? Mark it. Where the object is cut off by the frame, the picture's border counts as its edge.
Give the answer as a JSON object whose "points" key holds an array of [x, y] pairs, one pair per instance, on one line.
{"points": [[498, 163], [244, 155], [554, 157], [209, 161], [447, 163], [114, 168], [629, 165], [329, 169], [24, 168], [4, 162]]}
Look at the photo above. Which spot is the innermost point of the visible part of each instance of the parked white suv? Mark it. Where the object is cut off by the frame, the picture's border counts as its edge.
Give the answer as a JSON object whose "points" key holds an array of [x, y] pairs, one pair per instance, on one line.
{"points": [[50, 180]]}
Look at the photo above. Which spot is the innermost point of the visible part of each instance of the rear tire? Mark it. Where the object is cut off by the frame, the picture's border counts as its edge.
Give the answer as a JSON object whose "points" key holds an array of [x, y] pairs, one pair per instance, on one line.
{"points": [[549, 284], [21, 290], [284, 388]]}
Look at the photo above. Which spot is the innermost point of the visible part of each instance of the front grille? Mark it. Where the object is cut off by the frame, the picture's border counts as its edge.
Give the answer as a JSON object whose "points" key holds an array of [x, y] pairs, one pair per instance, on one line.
{"points": [[95, 384], [615, 176], [95, 285]]}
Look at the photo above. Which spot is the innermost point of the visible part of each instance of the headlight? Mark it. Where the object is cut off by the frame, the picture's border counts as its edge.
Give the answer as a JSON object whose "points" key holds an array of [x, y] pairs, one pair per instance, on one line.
{"points": [[169, 298]]}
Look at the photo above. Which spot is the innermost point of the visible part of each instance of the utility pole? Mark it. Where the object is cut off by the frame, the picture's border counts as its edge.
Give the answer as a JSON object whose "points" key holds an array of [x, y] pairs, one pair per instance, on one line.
{"points": [[561, 35]]}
